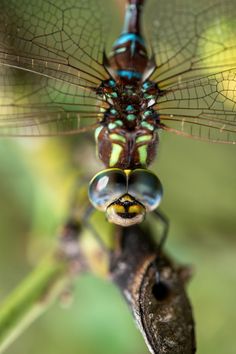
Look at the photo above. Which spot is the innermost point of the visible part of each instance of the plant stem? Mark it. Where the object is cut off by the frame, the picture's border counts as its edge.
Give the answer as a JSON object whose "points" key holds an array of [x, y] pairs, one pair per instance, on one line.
{"points": [[31, 298]]}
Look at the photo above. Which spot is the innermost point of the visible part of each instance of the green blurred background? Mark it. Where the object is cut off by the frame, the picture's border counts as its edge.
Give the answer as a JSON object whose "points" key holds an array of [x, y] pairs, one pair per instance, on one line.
{"points": [[36, 177]]}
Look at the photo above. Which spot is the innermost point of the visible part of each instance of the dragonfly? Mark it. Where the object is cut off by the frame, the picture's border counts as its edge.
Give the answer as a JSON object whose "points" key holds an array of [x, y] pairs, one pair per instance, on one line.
{"points": [[172, 68]]}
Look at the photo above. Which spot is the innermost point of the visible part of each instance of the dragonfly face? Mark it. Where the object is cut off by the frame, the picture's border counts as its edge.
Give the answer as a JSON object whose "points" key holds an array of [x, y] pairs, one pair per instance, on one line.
{"points": [[56, 80], [125, 195]]}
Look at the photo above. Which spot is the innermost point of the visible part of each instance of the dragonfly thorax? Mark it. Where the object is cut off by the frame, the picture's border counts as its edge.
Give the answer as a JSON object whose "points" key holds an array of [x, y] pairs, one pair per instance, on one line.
{"points": [[127, 135]]}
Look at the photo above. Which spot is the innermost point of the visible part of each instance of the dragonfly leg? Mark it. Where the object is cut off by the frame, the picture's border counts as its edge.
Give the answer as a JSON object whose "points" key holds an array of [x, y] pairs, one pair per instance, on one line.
{"points": [[81, 210], [96, 236], [164, 219], [90, 209], [69, 236]]}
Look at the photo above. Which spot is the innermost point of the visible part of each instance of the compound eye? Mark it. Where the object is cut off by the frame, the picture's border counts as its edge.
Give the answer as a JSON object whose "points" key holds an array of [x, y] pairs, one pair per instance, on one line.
{"points": [[146, 188], [106, 187]]}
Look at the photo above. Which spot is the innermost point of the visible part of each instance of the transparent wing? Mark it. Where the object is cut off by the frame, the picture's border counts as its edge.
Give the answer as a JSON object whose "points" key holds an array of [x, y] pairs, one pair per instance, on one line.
{"points": [[190, 39], [202, 108], [32, 105], [194, 44], [59, 45]]}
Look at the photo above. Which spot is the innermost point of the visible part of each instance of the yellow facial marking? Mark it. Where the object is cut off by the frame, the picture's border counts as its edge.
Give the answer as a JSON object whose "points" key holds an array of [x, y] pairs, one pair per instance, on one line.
{"points": [[119, 209], [116, 214], [127, 172], [135, 209]]}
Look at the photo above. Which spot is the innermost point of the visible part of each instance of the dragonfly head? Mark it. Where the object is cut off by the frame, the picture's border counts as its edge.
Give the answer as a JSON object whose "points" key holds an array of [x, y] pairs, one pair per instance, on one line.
{"points": [[125, 195], [125, 211]]}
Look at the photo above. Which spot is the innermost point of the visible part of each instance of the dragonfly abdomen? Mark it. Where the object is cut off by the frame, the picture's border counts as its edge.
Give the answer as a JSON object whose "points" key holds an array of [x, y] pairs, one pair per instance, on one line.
{"points": [[129, 58]]}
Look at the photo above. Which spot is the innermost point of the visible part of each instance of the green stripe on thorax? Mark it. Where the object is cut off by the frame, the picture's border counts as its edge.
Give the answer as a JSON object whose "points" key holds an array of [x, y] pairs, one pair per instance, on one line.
{"points": [[118, 137], [143, 138], [142, 150], [115, 154]]}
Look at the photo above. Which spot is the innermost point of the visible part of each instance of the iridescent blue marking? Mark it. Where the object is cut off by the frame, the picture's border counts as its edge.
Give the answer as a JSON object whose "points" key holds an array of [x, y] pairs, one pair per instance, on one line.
{"points": [[112, 83], [146, 85], [119, 122], [129, 108], [129, 37], [147, 113], [131, 117], [147, 125], [129, 74], [113, 111]]}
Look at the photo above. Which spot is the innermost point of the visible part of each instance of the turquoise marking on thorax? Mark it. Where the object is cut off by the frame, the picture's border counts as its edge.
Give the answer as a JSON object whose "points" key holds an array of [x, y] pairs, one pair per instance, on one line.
{"points": [[112, 83], [129, 74], [113, 111], [119, 123], [129, 108], [147, 125], [126, 37], [148, 96], [146, 85], [131, 117], [148, 113], [114, 125]]}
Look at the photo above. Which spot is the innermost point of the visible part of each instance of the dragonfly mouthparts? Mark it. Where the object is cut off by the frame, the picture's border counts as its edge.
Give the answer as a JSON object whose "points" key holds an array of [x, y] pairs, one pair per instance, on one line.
{"points": [[126, 211]]}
